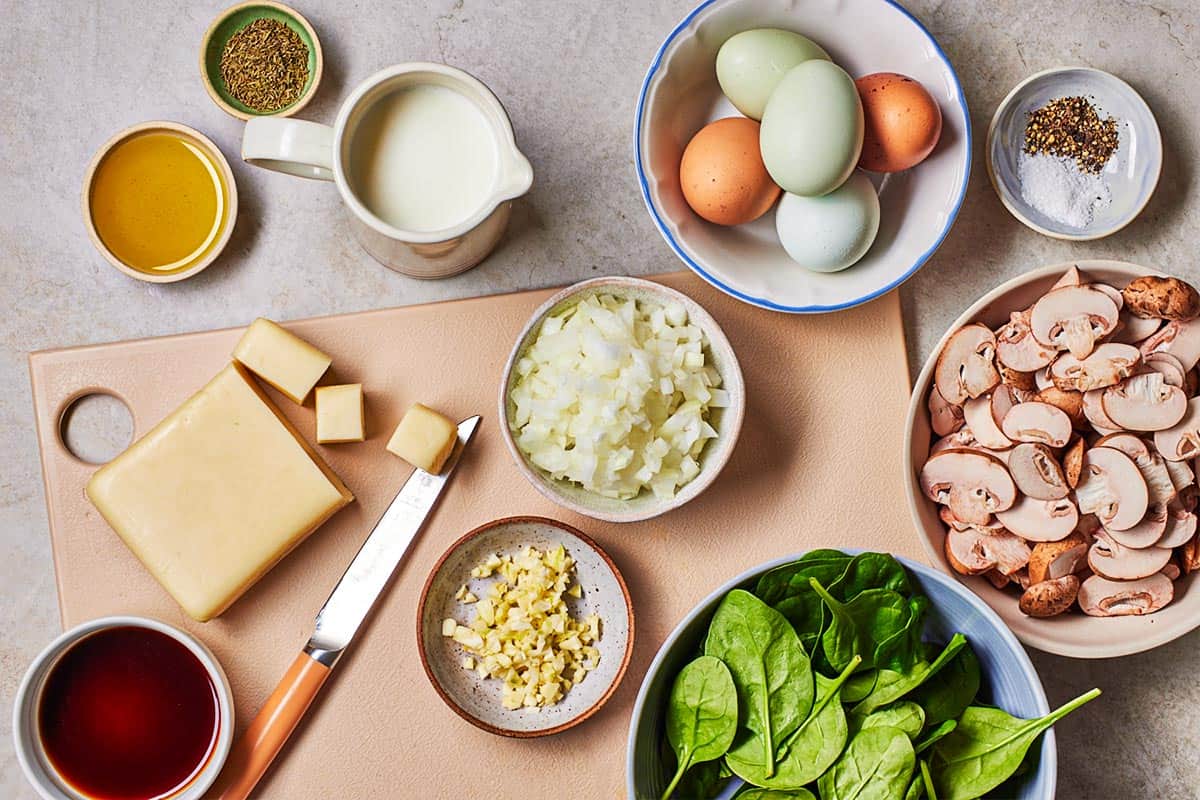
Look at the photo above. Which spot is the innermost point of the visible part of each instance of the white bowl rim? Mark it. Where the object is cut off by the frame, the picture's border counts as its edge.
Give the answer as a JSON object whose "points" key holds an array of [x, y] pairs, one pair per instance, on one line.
{"points": [[27, 751], [1047, 765], [1031, 635], [729, 434], [762, 302], [1083, 236]]}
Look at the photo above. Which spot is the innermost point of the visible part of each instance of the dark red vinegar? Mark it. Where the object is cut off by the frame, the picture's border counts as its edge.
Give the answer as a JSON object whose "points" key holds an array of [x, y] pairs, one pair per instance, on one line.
{"points": [[128, 713]]}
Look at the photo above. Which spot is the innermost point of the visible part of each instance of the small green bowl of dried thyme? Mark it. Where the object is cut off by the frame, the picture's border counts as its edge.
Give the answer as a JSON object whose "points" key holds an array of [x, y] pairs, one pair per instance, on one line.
{"points": [[261, 59]]}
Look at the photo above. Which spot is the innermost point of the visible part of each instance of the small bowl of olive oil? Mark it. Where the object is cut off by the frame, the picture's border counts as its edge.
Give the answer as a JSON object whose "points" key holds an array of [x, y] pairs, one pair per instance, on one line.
{"points": [[159, 201]]}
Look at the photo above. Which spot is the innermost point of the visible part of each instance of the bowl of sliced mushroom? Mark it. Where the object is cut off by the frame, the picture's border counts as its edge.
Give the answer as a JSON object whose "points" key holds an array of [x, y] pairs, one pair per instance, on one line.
{"points": [[1052, 438]]}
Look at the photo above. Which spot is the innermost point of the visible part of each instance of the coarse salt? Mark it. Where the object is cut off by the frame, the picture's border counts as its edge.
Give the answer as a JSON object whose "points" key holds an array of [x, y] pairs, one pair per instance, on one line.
{"points": [[1056, 188]]}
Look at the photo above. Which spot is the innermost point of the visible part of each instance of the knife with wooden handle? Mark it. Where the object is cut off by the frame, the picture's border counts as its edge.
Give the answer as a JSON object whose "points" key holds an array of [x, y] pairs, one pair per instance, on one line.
{"points": [[337, 623]]}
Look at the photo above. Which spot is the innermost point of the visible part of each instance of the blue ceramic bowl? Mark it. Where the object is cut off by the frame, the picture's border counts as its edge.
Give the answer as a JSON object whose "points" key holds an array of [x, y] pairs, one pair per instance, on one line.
{"points": [[1010, 680]]}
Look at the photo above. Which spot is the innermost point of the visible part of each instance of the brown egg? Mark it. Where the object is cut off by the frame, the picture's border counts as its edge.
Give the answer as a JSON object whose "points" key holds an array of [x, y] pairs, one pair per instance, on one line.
{"points": [[903, 122], [722, 173]]}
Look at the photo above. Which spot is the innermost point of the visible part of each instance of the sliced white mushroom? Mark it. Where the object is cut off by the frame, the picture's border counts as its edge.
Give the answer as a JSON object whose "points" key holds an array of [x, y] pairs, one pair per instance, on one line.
{"points": [[1180, 339], [1093, 409], [1181, 474], [1040, 520], [1107, 365], [1160, 489], [1068, 401], [1144, 403], [1036, 472], [1073, 318], [1100, 597], [1037, 422], [972, 552], [1168, 365], [1132, 329], [945, 418], [1049, 598], [1112, 560], [1069, 278], [961, 439], [1182, 440], [951, 521], [1113, 294], [1181, 527], [1111, 487], [966, 366], [1050, 560], [1042, 378], [1146, 533], [974, 485], [1017, 348], [983, 423]]}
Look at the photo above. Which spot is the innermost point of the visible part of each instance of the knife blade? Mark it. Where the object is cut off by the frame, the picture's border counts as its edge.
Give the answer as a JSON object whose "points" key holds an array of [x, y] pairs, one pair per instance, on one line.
{"points": [[337, 623]]}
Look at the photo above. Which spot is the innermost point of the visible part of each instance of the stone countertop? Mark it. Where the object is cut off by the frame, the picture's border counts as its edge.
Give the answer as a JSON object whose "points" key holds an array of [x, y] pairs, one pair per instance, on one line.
{"points": [[569, 74]]}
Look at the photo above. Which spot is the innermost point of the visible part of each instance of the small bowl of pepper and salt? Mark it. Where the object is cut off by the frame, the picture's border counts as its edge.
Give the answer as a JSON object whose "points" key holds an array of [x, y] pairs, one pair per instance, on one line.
{"points": [[1074, 153], [261, 59]]}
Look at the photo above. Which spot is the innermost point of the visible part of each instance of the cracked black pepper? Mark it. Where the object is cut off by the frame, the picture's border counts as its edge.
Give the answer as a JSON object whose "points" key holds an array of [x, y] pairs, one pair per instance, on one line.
{"points": [[265, 65], [1071, 127]]}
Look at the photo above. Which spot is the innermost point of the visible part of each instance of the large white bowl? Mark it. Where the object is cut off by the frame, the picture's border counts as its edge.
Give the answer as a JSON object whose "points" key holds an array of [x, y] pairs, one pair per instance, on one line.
{"points": [[680, 95], [1071, 634]]}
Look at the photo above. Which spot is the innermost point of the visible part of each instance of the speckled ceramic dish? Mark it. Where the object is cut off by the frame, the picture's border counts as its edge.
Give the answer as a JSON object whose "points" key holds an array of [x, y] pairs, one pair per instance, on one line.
{"points": [[726, 421], [1131, 174], [476, 699]]}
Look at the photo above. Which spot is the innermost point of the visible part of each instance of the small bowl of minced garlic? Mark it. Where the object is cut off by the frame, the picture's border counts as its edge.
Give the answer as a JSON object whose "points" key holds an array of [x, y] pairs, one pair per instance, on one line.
{"points": [[525, 627]]}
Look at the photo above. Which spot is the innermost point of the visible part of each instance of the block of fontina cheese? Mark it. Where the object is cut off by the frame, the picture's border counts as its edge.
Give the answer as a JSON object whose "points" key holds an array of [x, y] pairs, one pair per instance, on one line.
{"points": [[424, 438], [215, 494], [340, 414], [284, 360]]}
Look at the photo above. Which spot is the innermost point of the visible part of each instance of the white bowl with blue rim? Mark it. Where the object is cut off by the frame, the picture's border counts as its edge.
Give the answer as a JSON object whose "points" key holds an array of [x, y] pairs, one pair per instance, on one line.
{"points": [[680, 95], [1130, 176], [1009, 679]]}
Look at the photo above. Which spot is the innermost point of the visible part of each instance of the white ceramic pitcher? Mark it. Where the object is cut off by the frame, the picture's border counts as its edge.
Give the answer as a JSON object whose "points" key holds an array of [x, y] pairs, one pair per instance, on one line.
{"points": [[312, 150]]}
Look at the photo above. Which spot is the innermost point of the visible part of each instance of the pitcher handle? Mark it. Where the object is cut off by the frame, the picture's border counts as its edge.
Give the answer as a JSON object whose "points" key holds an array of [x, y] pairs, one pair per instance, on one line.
{"points": [[290, 146]]}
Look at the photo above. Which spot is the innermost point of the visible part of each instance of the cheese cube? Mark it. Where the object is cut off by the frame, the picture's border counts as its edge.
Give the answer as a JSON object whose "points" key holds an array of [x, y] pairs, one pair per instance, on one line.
{"points": [[287, 362], [340, 414], [216, 493], [424, 438]]}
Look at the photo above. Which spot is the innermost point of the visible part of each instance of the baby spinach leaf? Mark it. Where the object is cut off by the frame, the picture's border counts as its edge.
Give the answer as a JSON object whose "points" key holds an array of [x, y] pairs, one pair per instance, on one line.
{"points": [[770, 669], [809, 751], [916, 789], [987, 746], [870, 571], [876, 765], [790, 579], [903, 715], [702, 715], [903, 648], [892, 685], [930, 739], [857, 627], [954, 690], [703, 781], [755, 793], [927, 780], [805, 612], [859, 686]]}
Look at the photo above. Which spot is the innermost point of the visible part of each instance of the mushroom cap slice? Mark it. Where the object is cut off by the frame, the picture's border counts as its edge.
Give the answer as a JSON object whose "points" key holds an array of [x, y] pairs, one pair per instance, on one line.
{"points": [[1073, 461], [1093, 409], [966, 366], [1036, 472], [1049, 598], [1181, 527], [1073, 318], [1160, 297], [1144, 402], [945, 418], [1181, 474], [1040, 520], [1050, 560], [1100, 597], [1159, 486], [1068, 401], [1107, 365], [1037, 422], [1146, 533], [1133, 329], [1180, 339], [1016, 347], [974, 485], [1169, 366], [1113, 560], [1113, 293], [980, 418], [1069, 278], [1182, 440], [951, 521], [972, 552], [1111, 487]]}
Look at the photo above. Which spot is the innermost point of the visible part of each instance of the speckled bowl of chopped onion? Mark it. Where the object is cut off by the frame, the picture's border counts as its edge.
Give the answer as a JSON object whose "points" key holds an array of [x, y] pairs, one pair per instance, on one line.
{"points": [[622, 399]]}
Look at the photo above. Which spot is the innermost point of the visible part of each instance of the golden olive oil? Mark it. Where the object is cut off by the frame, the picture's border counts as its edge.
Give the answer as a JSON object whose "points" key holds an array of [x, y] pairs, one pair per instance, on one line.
{"points": [[158, 202]]}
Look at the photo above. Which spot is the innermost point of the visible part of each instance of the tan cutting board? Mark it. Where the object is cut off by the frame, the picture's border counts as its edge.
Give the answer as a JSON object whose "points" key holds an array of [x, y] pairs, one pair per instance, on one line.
{"points": [[818, 464]]}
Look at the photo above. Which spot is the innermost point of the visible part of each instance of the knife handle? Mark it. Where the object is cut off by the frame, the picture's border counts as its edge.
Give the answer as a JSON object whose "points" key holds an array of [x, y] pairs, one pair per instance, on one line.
{"points": [[253, 753]]}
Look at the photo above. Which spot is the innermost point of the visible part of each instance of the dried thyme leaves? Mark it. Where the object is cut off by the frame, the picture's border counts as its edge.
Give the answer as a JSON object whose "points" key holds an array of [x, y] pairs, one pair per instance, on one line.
{"points": [[265, 65], [1071, 127]]}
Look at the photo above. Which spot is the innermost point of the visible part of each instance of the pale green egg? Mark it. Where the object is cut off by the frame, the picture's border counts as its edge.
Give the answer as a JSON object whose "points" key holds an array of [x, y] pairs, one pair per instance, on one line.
{"points": [[750, 65], [812, 129], [831, 232]]}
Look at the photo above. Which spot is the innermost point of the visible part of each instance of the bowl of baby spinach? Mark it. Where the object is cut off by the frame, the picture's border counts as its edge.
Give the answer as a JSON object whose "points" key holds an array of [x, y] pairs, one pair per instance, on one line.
{"points": [[838, 675]]}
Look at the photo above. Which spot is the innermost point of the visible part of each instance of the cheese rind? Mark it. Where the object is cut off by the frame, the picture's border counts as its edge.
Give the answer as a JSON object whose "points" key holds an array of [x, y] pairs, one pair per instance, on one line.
{"points": [[340, 416], [284, 360], [215, 494], [424, 438]]}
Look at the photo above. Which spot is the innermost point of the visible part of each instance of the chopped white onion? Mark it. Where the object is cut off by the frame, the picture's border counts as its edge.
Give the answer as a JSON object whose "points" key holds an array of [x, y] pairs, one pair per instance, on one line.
{"points": [[614, 394]]}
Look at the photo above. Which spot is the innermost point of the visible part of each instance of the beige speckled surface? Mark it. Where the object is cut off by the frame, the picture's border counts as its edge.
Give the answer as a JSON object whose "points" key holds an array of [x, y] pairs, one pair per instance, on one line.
{"points": [[568, 73]]}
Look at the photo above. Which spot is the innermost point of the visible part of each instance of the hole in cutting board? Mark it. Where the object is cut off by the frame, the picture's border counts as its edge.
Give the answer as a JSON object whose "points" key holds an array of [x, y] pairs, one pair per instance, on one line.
{"points": [[96, 428]]}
